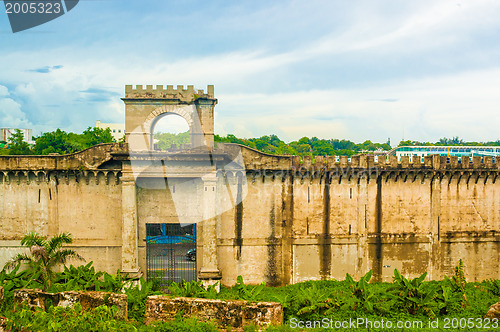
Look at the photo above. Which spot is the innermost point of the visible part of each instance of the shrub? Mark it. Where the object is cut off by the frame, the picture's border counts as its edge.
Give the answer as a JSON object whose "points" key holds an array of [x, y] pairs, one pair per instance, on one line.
{"points": [[137, 296], [246, 292], [193, 289], [44, 255], [414, 296]]}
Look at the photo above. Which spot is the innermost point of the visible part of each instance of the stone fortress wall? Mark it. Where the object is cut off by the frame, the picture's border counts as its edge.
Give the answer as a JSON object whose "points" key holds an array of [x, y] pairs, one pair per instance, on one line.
{"points": [[76, 193], [299, 220], [324, 219]]}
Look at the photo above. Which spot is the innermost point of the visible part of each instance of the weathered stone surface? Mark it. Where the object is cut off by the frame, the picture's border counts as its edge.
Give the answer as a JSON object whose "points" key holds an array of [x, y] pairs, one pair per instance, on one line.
{"points": [[300, 218], [90, 300], [3, 322], [34, 298], [494, 311], [224, 313], [68, 299], [37, 299]]}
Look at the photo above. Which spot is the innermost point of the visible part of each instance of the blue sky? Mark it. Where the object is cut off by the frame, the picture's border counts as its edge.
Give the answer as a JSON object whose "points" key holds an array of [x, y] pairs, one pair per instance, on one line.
{"points": [[354, 70]]}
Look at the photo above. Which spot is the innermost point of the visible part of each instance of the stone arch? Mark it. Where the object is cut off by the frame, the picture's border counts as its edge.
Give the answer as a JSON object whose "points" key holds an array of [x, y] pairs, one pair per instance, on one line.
{"points": [[100, 178], [144, 107], [184, 111], [161, 111], [31, 177]]}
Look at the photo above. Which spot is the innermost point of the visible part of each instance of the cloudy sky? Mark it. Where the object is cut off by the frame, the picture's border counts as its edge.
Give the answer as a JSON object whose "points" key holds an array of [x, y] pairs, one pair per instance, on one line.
{"points": [[355, 70]]}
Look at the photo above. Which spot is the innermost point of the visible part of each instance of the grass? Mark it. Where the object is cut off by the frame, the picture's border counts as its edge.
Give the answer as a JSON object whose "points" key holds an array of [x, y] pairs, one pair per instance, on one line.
{"points": [[448, 304]]}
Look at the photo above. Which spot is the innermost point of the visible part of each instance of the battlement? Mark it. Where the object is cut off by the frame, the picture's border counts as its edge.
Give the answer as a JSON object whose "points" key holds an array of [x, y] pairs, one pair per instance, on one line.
{"points": [[256, 160], [435, 162], [188, 94]]}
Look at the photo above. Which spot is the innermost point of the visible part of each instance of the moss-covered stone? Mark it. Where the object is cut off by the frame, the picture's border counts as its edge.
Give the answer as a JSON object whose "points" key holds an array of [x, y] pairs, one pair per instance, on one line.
{"points": [[224, 313], [35, 298]]}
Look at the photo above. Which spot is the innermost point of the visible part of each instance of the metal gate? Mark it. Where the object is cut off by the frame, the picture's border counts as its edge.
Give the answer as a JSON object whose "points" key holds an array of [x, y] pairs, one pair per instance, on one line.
{"points": [[170, 253]]}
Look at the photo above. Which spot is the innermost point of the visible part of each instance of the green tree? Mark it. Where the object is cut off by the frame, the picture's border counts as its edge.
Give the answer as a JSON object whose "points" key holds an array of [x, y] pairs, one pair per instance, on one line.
{"points": [[407, 143], [94, 136], [451, 141], [53, 142], [61, 142], [17, 145], [44, 255], [165, 140]]}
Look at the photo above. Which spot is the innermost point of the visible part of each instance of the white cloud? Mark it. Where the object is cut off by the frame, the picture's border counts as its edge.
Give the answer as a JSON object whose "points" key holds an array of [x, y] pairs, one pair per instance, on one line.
{"points": [[4, 92], [10, 111], [428, 109], [275, 89]]}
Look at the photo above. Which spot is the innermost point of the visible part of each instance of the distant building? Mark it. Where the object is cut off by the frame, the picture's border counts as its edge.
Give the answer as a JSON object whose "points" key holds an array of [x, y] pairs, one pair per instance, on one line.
{"points": [[421, 151], [6, 133], [117, 129]]}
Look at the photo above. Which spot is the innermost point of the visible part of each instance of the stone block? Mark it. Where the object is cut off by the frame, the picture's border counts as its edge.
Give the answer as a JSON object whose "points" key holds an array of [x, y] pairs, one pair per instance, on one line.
{"points": [[488, 162], [465, 161], [405, 161], [35, 298], [343, 161], [90, 300], [494, 311], [453, 162], [235, 314], [476, 161], [355, 161], [370, 161], [306, 162]]}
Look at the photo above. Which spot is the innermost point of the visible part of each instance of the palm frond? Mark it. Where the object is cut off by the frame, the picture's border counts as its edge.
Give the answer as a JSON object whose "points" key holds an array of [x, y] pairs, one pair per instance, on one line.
{"points": [[62, 257], [17, 260], [44, 255], [33, 239], [58, 241]]}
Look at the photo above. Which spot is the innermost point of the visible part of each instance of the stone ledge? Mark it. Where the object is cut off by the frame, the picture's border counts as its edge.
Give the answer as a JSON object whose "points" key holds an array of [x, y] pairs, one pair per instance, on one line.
{"points": [[224, 313], [35, 298]]}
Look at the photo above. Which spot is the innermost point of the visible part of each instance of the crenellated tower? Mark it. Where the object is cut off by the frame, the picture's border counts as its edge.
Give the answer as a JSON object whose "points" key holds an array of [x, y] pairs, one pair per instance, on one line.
{"points": [[144, 106]]}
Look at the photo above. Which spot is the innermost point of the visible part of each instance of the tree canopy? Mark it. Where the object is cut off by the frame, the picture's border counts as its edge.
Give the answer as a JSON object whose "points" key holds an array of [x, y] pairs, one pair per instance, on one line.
{"points": [[454, 141], [58, 141], [17, 145], [305, 146], [165, 140], [62, 142]]}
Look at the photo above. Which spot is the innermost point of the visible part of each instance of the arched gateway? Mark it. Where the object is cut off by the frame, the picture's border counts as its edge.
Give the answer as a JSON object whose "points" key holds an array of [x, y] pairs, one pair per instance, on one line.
{"points": [[183, 183], [143, 108]]}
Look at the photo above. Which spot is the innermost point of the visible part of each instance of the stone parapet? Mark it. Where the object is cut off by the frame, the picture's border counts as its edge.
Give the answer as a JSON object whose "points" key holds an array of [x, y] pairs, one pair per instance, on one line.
{"points": [[225, 313], [109, 157], [187, 95], [88, 159], [256, 160]]}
